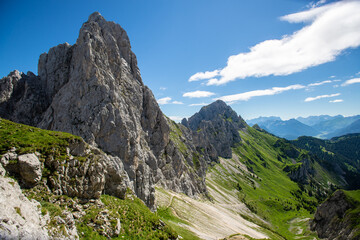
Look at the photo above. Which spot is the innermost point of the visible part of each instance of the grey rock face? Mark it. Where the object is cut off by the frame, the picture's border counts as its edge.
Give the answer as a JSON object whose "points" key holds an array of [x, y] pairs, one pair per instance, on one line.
{"points": [[20, 218], [330, 220], [30, 168], [86, 173], [216, 129], [93, 89], [302, 174], [22, 99], [2, 170]]}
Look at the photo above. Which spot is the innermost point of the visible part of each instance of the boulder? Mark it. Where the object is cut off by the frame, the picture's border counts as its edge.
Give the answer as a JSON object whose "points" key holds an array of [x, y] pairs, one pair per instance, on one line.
{"points": [[30, 168]]}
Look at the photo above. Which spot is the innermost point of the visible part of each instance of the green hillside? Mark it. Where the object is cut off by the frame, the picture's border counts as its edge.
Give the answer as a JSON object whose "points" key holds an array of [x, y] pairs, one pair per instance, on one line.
{"points": [[279, 183], [339, 155], [97, 217], [264, 186]]}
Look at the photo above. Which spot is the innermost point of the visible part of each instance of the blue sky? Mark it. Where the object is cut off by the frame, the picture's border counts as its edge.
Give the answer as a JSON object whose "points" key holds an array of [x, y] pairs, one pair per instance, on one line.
{"points": [[288, 58]]}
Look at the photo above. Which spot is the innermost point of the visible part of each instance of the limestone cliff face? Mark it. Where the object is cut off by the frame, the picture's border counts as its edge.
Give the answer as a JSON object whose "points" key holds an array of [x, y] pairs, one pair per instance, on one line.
{"points": [[93, 89], [20, 218], [333, 218], [22, 98]]}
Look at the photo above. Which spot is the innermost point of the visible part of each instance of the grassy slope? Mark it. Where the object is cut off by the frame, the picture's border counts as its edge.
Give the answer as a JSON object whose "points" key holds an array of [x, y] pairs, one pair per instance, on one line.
{"points": [[334, 154], [30, 139], [137, 221], [354, 213], [254, 177], [266, 189]]}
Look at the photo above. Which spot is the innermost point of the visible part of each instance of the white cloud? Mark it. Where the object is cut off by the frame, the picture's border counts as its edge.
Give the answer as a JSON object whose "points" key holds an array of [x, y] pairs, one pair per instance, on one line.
{"points": [[198, 94], [257, 93], [329, 30], [177, 102], [332, 76], [336, 101], [203, 75], [319, 83], [162, 88], [198, 104], [351, 81], [213, 81], [310, 99], [176, 118], [167, 100]]}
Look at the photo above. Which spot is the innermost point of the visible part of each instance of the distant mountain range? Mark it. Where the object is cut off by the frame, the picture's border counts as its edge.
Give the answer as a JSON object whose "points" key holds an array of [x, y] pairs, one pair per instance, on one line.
{"points": [[323, 126]]}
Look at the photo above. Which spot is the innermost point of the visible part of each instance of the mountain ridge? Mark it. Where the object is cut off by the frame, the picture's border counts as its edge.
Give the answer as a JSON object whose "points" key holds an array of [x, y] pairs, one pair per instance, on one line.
{"points": [[322, 126], [93, 89], [124, 144]]}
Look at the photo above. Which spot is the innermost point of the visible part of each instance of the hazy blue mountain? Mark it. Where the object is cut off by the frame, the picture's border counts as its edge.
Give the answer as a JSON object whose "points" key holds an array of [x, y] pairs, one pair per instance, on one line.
{"points": [[312, 120], [352, 128], [290, 129], [334, 124], [259, 120], [323, 126]]}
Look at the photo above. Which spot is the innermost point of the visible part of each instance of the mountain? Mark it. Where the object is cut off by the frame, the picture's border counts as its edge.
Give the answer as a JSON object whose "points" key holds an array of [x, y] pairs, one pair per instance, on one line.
{"points": [[259, 120], [352, 128], [52, 186], [313, 120], [275, 180], [289, 129], [115, 156], [340, 213], [338, 155], [323, 126], [93, 89], [216, 126], [332, 125], [74, 175]]}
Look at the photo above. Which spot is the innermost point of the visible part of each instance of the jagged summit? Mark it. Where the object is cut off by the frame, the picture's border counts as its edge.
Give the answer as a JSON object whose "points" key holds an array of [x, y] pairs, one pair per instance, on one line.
{"points": [[95, 17], [212, 111], [216, 129], [94, 89]]}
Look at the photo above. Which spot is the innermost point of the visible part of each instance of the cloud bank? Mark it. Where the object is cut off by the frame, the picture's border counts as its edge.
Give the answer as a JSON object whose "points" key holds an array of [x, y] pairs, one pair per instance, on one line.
{"points": [[167, 100], [351, 81], [310, 99], [257, 93], [336, 101], [198, 94], [198, 104], [319, 83], [330, 30]]}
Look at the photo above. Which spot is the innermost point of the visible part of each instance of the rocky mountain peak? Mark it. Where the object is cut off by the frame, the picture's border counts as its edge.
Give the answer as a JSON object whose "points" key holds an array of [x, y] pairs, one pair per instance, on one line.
{"points": [[216, 129], [215, 110], [95, 17], [93, 89]]}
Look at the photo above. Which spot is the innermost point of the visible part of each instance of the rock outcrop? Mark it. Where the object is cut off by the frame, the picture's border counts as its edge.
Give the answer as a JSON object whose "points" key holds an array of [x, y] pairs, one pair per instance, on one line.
{"points": [[93, 89], [301, 173], [80, 172], [216, 129], [20, 218], [333, 220], [30, 168], [22, 98]]}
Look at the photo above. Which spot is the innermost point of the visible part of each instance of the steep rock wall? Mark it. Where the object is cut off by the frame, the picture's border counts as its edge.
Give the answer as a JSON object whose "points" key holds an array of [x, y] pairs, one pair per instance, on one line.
{"points": [[93, 89]]}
